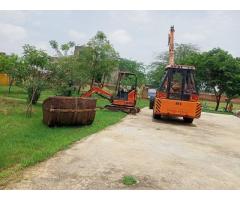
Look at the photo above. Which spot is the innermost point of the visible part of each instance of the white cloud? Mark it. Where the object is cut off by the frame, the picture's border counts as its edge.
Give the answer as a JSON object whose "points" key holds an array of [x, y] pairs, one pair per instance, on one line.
{"points": [[126, 17], [193, 37], [120, 36], [14, 17], [12, 33], [139, 17], [43, 45], [76, 35]]}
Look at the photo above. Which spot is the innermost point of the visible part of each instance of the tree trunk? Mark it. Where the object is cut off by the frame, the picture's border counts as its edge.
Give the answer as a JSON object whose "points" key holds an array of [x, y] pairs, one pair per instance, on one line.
{"points": [[218, 97], [92, 82], [227, 103], [29, 107], [10, 85], [102, 80], [79, 89]]}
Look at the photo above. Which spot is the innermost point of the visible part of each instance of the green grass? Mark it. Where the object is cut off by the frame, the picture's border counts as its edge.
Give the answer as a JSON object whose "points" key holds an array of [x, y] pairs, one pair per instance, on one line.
{"points": [[16, 92], [141, 103], [20, 93], [129, 180], [26, 141], [209, 106]]}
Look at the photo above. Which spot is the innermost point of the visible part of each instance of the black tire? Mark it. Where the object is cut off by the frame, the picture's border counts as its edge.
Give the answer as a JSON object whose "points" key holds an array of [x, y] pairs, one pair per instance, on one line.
{"points": [[156, 116], [151, 103], [188, 120]]}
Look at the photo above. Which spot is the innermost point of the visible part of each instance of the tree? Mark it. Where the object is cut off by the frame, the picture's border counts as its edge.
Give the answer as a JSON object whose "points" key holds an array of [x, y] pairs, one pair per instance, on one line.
{"points": [[99, 57], [216, 69], [68, 72], [233, 85], [38, 71], [65, 68], [184, 54], [64, 48], [13, 66], [134, 67], [156, 73]]}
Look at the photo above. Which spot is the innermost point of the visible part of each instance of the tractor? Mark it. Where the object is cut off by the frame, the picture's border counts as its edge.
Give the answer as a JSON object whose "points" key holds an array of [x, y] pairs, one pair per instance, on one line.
{"points": [[177, 95]]}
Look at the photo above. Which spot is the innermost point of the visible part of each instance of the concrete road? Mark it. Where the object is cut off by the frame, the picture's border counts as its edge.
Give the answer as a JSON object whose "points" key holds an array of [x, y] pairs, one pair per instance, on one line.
{"points": [[164, 154]]}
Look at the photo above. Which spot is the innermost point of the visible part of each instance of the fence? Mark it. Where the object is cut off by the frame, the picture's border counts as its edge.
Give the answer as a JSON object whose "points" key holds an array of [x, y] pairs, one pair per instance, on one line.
{"points": [[211, 97]]}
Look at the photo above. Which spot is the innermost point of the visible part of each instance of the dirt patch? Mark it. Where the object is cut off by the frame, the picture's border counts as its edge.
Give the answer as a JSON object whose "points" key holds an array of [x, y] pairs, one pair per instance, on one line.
{"points": [[165, 154]]}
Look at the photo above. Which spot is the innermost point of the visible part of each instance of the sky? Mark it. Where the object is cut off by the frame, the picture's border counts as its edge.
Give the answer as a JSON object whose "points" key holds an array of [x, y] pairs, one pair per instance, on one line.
{"points": [[137, 35]]}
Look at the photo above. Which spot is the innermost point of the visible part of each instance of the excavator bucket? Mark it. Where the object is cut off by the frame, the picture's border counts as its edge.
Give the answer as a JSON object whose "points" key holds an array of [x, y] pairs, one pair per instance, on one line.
{"points": [[63, 111]]}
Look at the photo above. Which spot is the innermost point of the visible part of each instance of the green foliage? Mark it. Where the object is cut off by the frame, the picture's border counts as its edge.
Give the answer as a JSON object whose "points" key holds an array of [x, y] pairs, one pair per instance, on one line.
{"points": [[37, 71], [99, 57], [95, 61], [184, 51], [216, 70], [219, 71], [134, 67], [129, 180], [156, 73], [14, 67], [184, 54], [25, 141], [65, 73], [64, 49]]}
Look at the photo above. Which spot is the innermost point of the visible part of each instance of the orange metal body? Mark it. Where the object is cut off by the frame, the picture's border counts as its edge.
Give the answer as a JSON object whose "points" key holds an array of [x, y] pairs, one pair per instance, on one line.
{"points": [[171, 45], [176, 108], [97, 90], [129, 101], [163, 105], [132, 98]]}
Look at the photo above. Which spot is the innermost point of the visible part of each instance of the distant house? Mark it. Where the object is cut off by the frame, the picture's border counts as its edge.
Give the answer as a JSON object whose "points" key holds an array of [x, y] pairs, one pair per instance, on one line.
{"points": [[4, 79], [78, 49]]}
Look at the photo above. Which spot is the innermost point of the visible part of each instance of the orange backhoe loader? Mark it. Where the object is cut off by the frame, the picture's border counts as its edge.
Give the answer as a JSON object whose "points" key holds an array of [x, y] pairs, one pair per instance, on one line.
{"points": [[177, 95], [125, 96]]}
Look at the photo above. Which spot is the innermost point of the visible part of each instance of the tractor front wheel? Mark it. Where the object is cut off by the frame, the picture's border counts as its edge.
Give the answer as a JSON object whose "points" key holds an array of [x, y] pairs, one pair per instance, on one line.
{"points": [[188, 120]]}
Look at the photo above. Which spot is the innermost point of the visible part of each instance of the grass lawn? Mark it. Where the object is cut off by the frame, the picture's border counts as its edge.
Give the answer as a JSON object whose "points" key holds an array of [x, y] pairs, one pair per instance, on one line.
{"points": [[209, 106], [20, 93], [26, 141]]}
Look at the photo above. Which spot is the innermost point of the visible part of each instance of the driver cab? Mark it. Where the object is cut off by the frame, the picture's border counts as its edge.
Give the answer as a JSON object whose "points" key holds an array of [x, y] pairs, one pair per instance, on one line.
{"points": [[127, 82], [179, 84]]}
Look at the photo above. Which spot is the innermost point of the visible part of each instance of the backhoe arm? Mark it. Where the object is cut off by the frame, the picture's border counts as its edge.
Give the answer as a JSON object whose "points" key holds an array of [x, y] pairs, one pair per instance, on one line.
{"points": [[99, 91], [171, 45]]}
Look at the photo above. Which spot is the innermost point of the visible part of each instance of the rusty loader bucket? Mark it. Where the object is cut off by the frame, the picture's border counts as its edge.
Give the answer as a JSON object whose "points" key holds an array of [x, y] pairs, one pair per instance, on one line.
{"points": [[63, 111]]}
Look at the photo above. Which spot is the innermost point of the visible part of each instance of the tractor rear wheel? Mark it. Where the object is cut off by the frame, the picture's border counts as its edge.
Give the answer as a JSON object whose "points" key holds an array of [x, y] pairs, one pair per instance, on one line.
{"points": [[151, 103], [157, 116], [188, 120]]}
